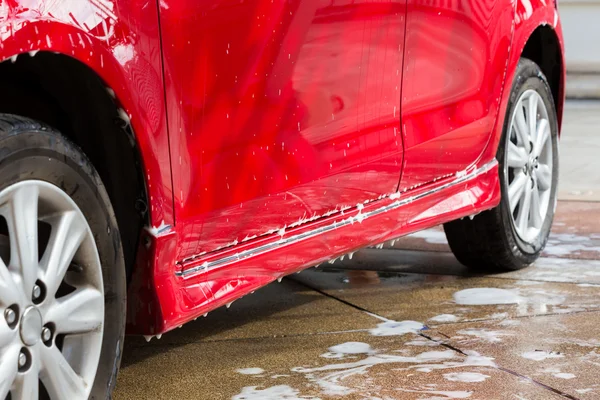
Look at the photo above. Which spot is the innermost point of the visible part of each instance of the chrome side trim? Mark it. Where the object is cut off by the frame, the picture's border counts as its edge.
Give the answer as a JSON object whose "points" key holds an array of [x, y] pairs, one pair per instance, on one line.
{"points": [[460, 178]]}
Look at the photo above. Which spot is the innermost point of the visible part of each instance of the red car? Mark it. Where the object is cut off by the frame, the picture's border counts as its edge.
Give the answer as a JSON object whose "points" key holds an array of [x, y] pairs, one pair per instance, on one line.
{"points": [[159, 159]]}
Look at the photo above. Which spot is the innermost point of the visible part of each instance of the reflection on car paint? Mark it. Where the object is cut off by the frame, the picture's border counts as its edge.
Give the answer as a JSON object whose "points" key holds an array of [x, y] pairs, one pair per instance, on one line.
{"points": [[293, 113]]}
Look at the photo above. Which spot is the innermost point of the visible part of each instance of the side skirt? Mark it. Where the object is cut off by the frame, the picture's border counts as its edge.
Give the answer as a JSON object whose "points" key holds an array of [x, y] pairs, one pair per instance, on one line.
{"points": [[165, 294]]}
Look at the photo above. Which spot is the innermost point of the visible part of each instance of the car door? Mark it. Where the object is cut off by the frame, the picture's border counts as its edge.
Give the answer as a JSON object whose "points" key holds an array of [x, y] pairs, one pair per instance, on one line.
{"points": [[279, 112], [454, 72]]}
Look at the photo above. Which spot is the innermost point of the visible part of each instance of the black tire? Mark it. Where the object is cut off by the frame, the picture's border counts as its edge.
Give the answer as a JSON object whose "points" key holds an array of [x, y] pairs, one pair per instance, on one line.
{"points": [[490, 241], [31, 150]]}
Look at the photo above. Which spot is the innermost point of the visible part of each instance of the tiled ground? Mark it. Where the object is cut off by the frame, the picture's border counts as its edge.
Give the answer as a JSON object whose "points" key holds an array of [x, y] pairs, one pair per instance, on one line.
{"points": [[346, 332]]}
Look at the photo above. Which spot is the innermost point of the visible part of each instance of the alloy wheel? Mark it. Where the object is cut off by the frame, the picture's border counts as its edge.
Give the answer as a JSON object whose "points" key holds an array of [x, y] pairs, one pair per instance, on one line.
{"points": [[528, 165], [51, 295]]}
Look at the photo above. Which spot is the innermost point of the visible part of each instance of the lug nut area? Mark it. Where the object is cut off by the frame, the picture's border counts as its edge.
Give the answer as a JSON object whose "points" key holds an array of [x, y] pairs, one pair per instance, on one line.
{"points": [[24, 360], [47, 335], [39, 292], [11, 315]]}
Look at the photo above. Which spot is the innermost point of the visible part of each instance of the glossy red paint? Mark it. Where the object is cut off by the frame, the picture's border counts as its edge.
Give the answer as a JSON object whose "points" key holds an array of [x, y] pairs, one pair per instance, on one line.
{"points": [[279, 111], [456, 58], [319, 127]]}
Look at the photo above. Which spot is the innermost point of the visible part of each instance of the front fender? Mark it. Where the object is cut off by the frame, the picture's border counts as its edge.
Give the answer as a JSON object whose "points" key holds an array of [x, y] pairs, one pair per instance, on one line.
{"points": [[529, 15], [119, 41]]}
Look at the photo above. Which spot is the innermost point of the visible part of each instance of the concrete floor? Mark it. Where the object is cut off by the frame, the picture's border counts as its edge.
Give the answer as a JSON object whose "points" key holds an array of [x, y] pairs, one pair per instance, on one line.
{"points": [[345, 332]]}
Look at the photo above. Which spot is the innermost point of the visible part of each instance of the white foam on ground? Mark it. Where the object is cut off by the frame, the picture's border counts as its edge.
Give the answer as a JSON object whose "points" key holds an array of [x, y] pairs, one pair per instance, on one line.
{"points": [[466, 377], [351, 348], [341, 350], [372, 360], [540, 355], [563, 375], [444, 318], [485, 334], [447, 394], [396, 328], [330, 378], [279, 392], [486, 296], [250, 371], [474, 359]]}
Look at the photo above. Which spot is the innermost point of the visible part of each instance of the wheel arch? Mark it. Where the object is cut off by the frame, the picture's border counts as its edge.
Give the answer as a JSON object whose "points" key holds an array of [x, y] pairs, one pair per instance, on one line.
{"points": [[107, 99], [65, 94], [534, 23], [118, 43], [544, 48]]}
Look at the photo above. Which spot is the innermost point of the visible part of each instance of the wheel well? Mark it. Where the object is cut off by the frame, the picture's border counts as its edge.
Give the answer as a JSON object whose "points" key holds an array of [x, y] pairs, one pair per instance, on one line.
{"points": [[544, 49], [70, 97]]}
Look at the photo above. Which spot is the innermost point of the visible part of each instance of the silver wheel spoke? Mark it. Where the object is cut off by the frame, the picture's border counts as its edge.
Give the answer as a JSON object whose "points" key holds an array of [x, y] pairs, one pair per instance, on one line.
{"points": [[536, 208], [68, 231], [8, 292], [58, 377], [544, 177], [517, 156], [521, 127], [532, 109], [542, 135], [525, 205], [515, 190], [6, 334], [22, 220], [8, 369], [78, 312], [27, 385]]}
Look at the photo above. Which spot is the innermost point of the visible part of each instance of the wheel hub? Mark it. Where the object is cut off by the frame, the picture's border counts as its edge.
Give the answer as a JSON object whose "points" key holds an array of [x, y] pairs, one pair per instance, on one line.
{"points": [[531, 165], [31, 326]]}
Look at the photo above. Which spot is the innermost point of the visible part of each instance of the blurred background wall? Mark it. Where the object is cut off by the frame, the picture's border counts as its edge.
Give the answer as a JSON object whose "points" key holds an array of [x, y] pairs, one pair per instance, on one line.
{"points": [[581, 28]]}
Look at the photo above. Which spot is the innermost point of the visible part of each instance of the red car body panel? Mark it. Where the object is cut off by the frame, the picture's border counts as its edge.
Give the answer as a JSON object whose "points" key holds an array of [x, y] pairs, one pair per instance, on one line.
{"points": [[290, 115], [276, 135], [455, 51], [168, 300]]}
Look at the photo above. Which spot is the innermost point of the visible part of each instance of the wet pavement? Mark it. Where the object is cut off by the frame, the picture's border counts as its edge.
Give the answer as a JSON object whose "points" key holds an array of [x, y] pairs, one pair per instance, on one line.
{"points": [[405, 322]]}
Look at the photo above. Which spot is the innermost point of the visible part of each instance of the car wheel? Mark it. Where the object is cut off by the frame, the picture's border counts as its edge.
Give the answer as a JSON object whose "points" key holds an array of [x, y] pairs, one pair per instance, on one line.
{"points": [[513, 235], [62, 272]]}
